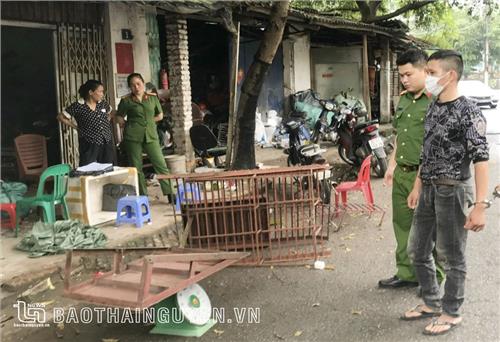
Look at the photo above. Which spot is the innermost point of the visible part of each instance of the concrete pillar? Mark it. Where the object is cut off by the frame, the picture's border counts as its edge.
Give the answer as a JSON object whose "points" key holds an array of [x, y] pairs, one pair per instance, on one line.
{"points": [[180, 86], [297, 65], [288, 77], [366, 78], [385, 83]]}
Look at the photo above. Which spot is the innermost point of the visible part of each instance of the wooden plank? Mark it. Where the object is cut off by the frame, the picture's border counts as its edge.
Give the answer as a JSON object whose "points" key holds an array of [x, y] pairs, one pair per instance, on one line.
{"points": [[145, 280], [183, 284], [67, 270], [107, 295], [117, 261], [192, 268], [164, 266], [132, 280], [197, 256]]}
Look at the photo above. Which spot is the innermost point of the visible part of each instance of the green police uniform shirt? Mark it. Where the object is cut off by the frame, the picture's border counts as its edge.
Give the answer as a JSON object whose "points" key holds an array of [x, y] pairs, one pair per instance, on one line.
{"points": [[140, 125], [409, 125]]}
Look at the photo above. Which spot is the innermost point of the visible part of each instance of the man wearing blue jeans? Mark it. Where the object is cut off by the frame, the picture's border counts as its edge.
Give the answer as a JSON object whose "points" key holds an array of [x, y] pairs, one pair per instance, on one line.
{"points": [[455, 136]]}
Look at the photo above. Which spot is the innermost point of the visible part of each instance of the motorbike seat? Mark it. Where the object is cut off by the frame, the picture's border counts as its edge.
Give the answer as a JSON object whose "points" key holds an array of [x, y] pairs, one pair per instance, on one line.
{"points": [[293, 124], [298, 114], [366, 124]]}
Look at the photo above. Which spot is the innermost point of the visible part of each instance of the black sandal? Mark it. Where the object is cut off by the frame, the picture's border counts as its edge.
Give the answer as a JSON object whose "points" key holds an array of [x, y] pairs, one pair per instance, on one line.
{"points": [[436, 322], [423, 314]]}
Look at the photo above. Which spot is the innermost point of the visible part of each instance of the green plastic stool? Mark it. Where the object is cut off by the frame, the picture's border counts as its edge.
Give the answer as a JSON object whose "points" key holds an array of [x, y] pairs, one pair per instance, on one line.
{"points": [[47, 202]]}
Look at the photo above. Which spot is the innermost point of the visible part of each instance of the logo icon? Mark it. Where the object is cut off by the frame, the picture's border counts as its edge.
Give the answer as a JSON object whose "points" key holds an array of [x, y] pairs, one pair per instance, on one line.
{"points": [[30, 313]]}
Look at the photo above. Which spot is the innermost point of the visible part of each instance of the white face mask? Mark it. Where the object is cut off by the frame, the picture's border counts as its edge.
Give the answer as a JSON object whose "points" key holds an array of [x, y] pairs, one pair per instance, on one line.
{"points": [[432, 85]]}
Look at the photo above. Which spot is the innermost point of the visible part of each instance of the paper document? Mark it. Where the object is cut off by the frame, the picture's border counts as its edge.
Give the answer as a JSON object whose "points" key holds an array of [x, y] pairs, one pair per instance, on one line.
{"points": [[94, 167]]}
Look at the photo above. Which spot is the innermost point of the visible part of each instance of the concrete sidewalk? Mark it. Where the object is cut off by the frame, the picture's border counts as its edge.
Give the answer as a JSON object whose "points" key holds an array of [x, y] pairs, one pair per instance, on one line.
{"points": [[18, 270]]}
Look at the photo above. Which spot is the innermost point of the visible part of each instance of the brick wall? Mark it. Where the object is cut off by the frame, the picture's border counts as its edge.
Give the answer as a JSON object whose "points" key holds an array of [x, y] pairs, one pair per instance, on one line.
{"points": [[180, 85]]}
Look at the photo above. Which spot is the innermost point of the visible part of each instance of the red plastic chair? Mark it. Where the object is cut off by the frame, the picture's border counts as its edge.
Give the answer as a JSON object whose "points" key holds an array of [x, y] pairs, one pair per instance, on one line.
{"points": [[9, 208], [361, 184]]}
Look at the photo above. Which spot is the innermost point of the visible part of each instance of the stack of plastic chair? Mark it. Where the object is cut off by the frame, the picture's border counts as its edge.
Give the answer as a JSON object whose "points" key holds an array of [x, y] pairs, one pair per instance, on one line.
{"points": [[134, 213], [31, 153], [48, 201]]}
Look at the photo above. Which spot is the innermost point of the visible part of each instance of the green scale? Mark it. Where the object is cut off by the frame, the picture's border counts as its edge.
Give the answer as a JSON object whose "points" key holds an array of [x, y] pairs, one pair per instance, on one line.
{"points": [[187, 313]]}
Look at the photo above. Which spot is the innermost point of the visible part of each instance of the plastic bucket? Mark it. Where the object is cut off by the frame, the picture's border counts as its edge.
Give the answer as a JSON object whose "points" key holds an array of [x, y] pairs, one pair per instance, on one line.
{"points": [[176, 163]]}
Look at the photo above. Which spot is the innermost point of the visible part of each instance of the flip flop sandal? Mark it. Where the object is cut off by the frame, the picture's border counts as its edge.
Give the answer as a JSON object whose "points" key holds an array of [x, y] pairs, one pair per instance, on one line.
{"points": [[435, 323], [423, 314]]}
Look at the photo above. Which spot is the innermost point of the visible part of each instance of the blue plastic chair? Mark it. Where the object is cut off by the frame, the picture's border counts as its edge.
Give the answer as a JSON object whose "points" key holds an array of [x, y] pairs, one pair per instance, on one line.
{"points": [[182, 197], [134, 213]]}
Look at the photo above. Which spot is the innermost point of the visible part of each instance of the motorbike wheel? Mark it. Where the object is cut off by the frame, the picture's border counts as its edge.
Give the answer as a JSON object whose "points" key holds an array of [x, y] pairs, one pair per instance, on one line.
{"points": [[315, 136], [325, 191], [343, 155], [289, 161], [379, 166]]}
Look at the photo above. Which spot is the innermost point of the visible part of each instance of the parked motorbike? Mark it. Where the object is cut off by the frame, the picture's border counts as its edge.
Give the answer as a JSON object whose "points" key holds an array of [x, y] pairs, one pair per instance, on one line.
{"points": [[302, 152], [322, 129], [357, 141]]}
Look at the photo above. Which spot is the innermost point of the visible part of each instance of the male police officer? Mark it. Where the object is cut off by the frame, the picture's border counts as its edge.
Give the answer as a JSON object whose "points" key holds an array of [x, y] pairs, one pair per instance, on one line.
{"points": [[404, 161]]}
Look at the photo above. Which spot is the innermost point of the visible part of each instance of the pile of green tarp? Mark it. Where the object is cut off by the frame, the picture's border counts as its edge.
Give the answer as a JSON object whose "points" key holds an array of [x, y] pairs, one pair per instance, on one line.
{"points": [[11, 192], [54, 238]]}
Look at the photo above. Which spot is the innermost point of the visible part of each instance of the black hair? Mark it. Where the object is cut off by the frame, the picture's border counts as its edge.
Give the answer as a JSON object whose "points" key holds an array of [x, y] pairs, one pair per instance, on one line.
{"points": [[452, 60], [415, 57], [151, 88], [134, 75], [90, 85]]}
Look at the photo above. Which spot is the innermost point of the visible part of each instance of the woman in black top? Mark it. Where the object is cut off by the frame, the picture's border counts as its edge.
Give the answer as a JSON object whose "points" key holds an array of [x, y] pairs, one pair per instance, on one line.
{"points": [[92, 115]]}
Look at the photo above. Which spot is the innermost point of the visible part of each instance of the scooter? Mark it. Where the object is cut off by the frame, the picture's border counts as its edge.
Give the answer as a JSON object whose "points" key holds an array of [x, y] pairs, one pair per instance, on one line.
{"points": [[302, 152], [357, 141], [360, 139], [322, 129]]}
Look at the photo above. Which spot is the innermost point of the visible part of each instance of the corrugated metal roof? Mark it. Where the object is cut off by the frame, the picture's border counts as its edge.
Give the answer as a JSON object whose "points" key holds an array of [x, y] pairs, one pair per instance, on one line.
{"points": [[251, 8]]}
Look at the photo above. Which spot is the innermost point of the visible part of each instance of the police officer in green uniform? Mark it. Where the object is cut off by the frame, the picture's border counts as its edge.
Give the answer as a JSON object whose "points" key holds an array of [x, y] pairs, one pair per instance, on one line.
{"points": [[404, 161], [142, 111]]}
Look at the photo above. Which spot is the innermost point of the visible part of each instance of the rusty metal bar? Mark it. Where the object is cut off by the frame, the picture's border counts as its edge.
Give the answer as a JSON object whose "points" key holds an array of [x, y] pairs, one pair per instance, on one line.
{"points": [[277, 215]]}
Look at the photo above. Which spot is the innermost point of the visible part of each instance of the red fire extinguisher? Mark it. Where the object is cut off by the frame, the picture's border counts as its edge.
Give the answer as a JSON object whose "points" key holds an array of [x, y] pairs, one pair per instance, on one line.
{"points": [[164, 79]]}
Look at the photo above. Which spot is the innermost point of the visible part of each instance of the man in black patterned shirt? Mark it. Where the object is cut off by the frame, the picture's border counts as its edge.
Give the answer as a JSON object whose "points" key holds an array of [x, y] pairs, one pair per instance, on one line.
{"points": [[454, 137]]}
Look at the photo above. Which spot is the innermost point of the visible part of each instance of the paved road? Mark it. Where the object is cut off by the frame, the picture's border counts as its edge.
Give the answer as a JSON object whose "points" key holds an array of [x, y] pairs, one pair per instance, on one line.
{"points": [[299, 304], [493, 119]]}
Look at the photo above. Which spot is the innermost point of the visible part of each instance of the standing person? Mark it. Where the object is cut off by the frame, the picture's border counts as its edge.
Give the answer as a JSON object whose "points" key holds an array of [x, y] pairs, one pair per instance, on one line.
{"points": [[142, 111], [403, 163], [93, 116], [454, 137]]}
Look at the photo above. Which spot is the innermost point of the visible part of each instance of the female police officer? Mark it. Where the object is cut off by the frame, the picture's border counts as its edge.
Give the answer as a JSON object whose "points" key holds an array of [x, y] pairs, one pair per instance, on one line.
{"points": [[142, 111]]}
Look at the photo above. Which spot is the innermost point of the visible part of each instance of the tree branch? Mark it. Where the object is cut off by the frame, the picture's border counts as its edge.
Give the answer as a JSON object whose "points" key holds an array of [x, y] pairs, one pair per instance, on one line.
{"points": [[374, 5], [404, 9]]}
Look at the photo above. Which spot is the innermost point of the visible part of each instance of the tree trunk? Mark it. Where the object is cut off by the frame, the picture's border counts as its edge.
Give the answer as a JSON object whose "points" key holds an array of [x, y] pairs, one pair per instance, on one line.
{"points": [[368, 10], [244, 146]]}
